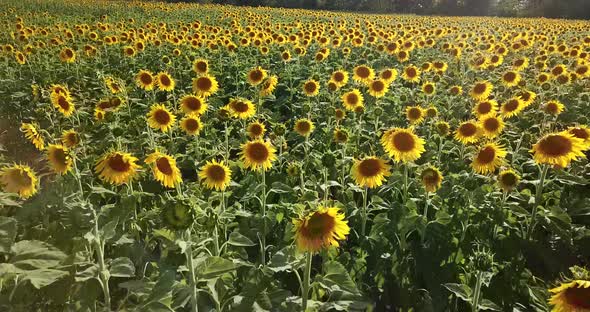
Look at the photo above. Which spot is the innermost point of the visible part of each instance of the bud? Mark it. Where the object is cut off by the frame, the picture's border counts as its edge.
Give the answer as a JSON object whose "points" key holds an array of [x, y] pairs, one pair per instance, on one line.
{"points": [[328, 159], [306, 108], [294, 169], [378, 111], [280, 129], [178, 214]]}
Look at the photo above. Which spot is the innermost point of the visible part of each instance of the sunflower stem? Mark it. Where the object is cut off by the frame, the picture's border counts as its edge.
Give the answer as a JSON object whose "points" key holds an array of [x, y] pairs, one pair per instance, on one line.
{"points": [[263, 238], [477, 292], [426, 205], [538, 198], [326, 187], [364, 213], [306, 278], [405, 188], [226, 143], [191, 271], [103, 273]]}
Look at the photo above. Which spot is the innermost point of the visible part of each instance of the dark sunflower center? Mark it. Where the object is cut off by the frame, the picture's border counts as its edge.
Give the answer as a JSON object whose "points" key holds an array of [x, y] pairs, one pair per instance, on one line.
{"points": [[303, 126], [256, 75], [363, 72], [582, 70], [551, 107], [60, 156], [403, 141], [525, 96], [63, 103], [165, 80], [509, 76], [378, 86], [578, 297], [162, 117], [557, 71], [519, 63], [415, 113], [146, 79], [386, 74], [352, 98], [216, 173], [480, 88], [258, 152], [468, 129], [438, 65], [491, 124], [428, 88], [204, 83], [69, 53], [191, 125], [486, 155], [511, 105], [411, 72], [193, 103], [484, 107], [369, 167], [72, 138], [163, 164], [555, 145], [202, 66], [318, 225], [579, 133], [117, 163], [338, 77], [508, 179], [240, 107], [256, 130], [310, 87], [430, 177]]}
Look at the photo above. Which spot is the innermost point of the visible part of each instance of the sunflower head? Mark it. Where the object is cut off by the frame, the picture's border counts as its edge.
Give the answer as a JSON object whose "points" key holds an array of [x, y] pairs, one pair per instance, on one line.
{"points": [[165, 82], [215, 175], [59, 158], [443, 128], [19, 179], [192, 104], [241, 108], [70, 138], [370, 172], [201, 66], [256, 75], [191, 124], [320, 229], [488, 158], [304, 127], [468, 132], [415, 114], [558, 149], [258, 155], [31, 132], [256, 130], [340, 135], [378, 88], [116, 167], [160, 118], [205, 85], [178, 214], [553, 107], [352, 99], [573, 294], [269, 85], [402, 144], [485, 108], [431, 178], [508, 180], [311, 88], [164, 169], [145, 80], [363, 74], [481, 90]]}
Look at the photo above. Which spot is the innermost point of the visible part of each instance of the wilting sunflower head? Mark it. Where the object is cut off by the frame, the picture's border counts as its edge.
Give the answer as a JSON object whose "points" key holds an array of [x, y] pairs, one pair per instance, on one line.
{"points": [[352, 99], [488, 158], [256, 75], [269, 85], [304, 127], [431, 178], [481, 90], [164, 169], [443, 128], [415, 114], [191, 124], [553, 107], [19, 179], [256, 130], [558, 149], [468, 132], [320, 229], [402, 144], [59, 158], [165, 82], [508, 180], [116, 167], [178, 214], [205, 85], [311, 88], [215, 175], [573, 294], [258, 155], [160, 118], [32, 134], [370, 172], [145, 80], [192, 104]]}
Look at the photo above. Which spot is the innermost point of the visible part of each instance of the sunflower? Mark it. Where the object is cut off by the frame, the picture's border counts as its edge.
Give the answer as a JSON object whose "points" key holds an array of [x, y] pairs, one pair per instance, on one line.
{"points": [[129, 51], [205, 85], [19, 179], [256, 130], [388, 75], [415, 114], [340, 78], [468, 132], [70, 138], [178, 214], [63, 104], [511, 78], [352, 99], [191, 124], [573, 296], [59, 158], [443, 128], [558, 148], [160, 118], [165, 82], [488, 158], [553, 107], [521, 63], [378, 88], [269, 85], [215, 175], [428, 88], [145, 80], [508, 180], [512, 107], [370, 171], [485, 109], [528, 97], [581, 132], [320, 229], [241, 108], [99, 114], [20, 58], [32, 134], [116, 167], [402, 144], [481, 90], [67, 55], [192, 104], [491, 126], [258, 154], [431, 179], [340, 136], [304, 127], [201, 66], [311, 88], [164, 169], [456, 90], [411, 74], [256, 76], [363, 74]]}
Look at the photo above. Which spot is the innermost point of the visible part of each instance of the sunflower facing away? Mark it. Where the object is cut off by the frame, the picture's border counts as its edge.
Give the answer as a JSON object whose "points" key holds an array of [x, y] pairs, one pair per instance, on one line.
{"points": [[304, 127], [145, 80], [508, 180], [160, 118], [205, 85], [402, 144], [164, 169], [352, 99], [241, 108], [258, 154], [215, 175], [256, 76], [573, 296], [488, 158], [192, 104], [32, 134], [19, 179], [558, 148], [117, 167], [320, 229], [468, 132], [370, 171], [431, 179], [481, 90], [165, 82], [59, 158]]}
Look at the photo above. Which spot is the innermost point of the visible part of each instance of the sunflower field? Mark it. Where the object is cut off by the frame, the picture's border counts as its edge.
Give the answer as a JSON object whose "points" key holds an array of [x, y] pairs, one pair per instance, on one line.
{"points": [[201, 157]]}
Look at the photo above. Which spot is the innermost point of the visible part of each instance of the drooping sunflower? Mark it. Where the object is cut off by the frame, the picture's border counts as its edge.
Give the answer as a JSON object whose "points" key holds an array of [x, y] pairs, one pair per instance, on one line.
{"points": [[205, 85], [340, 78], [468, 132], [117, 167], [485, 109], [378, 88], [215, 175], [415, 114], [63, 104], [370, 171], [363, 74], [160, 118], [269, 85], [512, 107], [491, 126], [241, 108], [32, 134], [59, 158], [553, 107], [320, 229], [256, 76], [192, 104], [511, 78], [507, 180], [19, 179], [488, 158], [145, 80], [581, 132], [70, 138], [558, 149], [402, 144], [164, 169], [304, 127], [165, 82], [311, 88], [352, 99], [258, 154], [481, 90], [201, 66], [431, 179], [256, 130], [573, 296], [191, 124], [411, 74]]}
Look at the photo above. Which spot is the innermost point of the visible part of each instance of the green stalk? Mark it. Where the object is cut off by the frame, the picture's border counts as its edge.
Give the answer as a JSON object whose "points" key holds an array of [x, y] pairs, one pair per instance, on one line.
{"points": [[405, 189], [364, 213], [191, 271], [477, 292], [263, 238], [538, 198], [103, 272], [306, 278]]}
